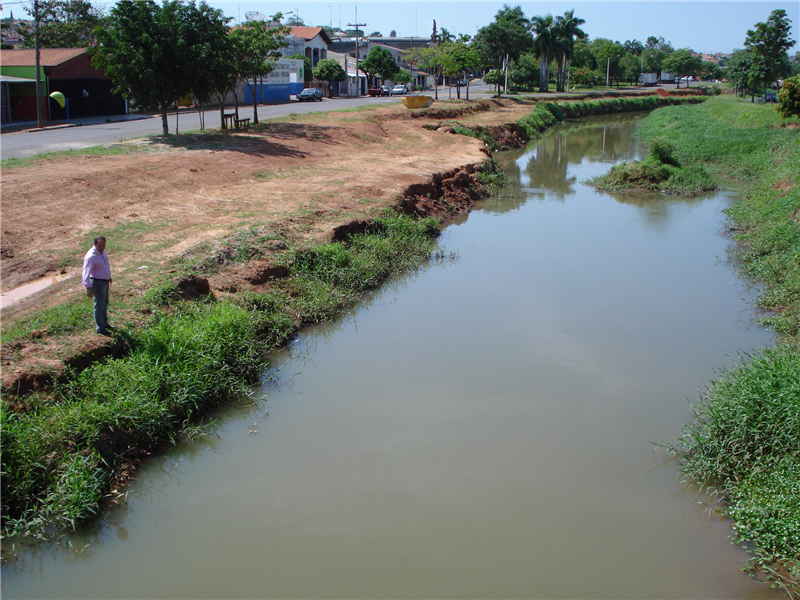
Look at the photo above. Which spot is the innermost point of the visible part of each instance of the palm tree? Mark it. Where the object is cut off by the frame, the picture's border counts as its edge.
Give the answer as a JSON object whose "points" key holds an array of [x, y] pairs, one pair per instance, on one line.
{"points": [[567, 30], [544, 40], [445, 36]]}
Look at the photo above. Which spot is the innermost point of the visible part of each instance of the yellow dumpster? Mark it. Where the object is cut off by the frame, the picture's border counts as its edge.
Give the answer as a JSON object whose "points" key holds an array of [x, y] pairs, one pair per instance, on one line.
{"points": [[417, 101]]}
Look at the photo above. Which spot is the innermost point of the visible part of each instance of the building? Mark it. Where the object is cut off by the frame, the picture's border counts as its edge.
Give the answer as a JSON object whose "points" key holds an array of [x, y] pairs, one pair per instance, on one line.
{"points": [[309, 41], [285, 80], [65, 70]]}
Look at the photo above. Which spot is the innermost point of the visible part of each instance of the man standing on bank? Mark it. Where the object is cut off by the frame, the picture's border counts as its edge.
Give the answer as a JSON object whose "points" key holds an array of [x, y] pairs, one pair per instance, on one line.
{"points": [[96, 279]]}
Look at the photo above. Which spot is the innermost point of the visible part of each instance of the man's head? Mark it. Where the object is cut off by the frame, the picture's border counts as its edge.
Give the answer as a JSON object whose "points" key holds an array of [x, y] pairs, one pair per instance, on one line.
{"points": [[100, 243]]}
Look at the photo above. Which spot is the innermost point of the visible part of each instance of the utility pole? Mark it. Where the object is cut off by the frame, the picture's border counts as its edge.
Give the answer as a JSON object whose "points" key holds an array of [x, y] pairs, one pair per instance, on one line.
{"points": [[36, 18], [358, 26]]}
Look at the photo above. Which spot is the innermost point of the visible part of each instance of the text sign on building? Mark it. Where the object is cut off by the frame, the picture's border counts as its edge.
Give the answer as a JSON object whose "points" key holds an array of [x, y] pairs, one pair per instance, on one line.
{"points": [[287, 70]]}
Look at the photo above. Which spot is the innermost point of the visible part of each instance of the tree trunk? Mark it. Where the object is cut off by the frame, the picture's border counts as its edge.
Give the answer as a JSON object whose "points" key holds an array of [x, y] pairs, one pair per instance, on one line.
{"points": [[544, 65], [255, 102], [164, 122], [569, 71], [221, 101]]}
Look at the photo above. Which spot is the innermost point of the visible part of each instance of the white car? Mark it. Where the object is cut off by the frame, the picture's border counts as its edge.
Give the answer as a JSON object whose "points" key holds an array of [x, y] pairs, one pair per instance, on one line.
{"points": [[399, 90]]}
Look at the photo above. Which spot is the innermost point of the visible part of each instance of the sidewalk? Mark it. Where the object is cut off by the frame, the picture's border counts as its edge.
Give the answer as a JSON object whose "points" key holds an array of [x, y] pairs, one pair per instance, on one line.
{"points": [[30, 126]]}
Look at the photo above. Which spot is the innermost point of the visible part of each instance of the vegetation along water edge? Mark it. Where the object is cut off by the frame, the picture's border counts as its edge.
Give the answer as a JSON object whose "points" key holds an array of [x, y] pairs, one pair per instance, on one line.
{"points": [[68, 447], [743, 440]]}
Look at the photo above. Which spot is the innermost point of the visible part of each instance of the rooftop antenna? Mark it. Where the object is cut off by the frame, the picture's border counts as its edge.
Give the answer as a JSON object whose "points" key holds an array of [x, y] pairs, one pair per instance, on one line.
{"points": [[253, 15]]}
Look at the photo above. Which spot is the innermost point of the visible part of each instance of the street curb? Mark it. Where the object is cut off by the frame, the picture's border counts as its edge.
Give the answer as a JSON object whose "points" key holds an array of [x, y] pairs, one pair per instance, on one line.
{"points": [[64, 126]]}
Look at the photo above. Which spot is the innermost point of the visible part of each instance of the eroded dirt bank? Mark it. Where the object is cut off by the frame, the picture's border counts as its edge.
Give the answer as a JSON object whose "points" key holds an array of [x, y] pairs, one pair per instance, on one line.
{"points": [[302, 178]]}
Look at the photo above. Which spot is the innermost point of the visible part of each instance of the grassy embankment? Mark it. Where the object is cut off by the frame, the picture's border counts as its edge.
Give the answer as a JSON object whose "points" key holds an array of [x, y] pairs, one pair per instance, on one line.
{"points": [[743, 441], [63, 450]]}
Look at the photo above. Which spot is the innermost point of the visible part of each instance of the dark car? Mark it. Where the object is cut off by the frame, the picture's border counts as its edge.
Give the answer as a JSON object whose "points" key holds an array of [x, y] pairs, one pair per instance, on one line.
{"points": [[771, 97], [311, 94]]}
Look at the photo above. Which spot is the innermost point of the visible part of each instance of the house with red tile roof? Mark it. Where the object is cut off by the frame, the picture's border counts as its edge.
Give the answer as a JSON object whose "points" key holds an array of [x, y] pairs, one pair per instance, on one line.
{"points": [[65, 70], [308, 41]]}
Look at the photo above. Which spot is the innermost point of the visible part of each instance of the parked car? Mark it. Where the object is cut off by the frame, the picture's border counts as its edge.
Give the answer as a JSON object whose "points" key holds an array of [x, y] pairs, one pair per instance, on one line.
{"points": [[399, 90], [461, 83], [379, 91], [771, 97], [311, 94]]}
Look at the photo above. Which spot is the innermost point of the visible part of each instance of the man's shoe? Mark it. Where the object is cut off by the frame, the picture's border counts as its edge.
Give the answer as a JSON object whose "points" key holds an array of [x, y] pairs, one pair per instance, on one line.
{"points": [[104, 332]]}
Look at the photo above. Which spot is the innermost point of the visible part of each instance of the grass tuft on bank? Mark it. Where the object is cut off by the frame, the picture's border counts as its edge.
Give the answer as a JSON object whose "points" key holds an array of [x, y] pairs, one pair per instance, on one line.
{"points": [[659, 172], [743, 440]]}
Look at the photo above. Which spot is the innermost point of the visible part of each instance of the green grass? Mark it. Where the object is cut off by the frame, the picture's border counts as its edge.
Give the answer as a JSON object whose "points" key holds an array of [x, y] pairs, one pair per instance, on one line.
{"points": [[59, 320], [659, 172], [105, 150], [60, 455], [743, 440]]}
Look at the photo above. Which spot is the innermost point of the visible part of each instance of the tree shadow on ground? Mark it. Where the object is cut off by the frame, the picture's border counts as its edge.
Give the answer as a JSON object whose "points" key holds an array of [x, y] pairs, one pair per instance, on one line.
{"points": [[270, 139]]}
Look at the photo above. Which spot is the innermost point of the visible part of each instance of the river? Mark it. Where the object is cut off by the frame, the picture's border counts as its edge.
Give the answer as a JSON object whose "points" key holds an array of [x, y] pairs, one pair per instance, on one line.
{"points": [[484, 428]]}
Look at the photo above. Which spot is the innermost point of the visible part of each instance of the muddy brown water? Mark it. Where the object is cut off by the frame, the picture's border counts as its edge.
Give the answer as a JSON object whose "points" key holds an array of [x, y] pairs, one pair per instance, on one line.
{"points": [[484, 428]]}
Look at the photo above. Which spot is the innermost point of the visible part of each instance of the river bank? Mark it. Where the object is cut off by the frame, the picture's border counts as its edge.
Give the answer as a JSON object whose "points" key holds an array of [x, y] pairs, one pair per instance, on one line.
{"points": [[743, 442], [266, 278]]}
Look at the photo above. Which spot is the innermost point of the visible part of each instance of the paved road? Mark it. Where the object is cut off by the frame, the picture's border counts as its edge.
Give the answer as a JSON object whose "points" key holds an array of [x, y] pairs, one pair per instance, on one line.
{"points": [[95, 131], [92, 132]]}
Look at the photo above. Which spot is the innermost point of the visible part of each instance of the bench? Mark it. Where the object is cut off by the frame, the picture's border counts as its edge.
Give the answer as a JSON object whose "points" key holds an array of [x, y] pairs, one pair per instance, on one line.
{"points": [[241, 122], [227, 120]]}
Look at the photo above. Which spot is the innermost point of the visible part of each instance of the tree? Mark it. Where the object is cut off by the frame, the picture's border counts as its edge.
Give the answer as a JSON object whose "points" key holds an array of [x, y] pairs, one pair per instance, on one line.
{"points": [[392, 33], [524, 72], [630, 65], [567, 30], [709, 70], [740, 64], [607, 56], [544, 41], [63, 24], [681, 63], [375, 34], [789, 98], [445, 36], [256, 49], [633, 47], [658, 43], [651, 59], [504, 39], [460, 60], [429, 59], [153, 54], [295, 21], [770, 41], [379, 63], [403, 76], [329, 70], [213, 73]]}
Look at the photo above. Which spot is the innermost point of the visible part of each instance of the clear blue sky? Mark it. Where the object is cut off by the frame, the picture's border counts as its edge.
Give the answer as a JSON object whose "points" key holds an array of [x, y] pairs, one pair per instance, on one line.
{"points": [[702, 26]]}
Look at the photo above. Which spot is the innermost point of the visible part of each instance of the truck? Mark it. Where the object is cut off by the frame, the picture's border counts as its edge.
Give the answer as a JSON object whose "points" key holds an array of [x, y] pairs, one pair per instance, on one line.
{"points": [[648, 79], [667, 77]]}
